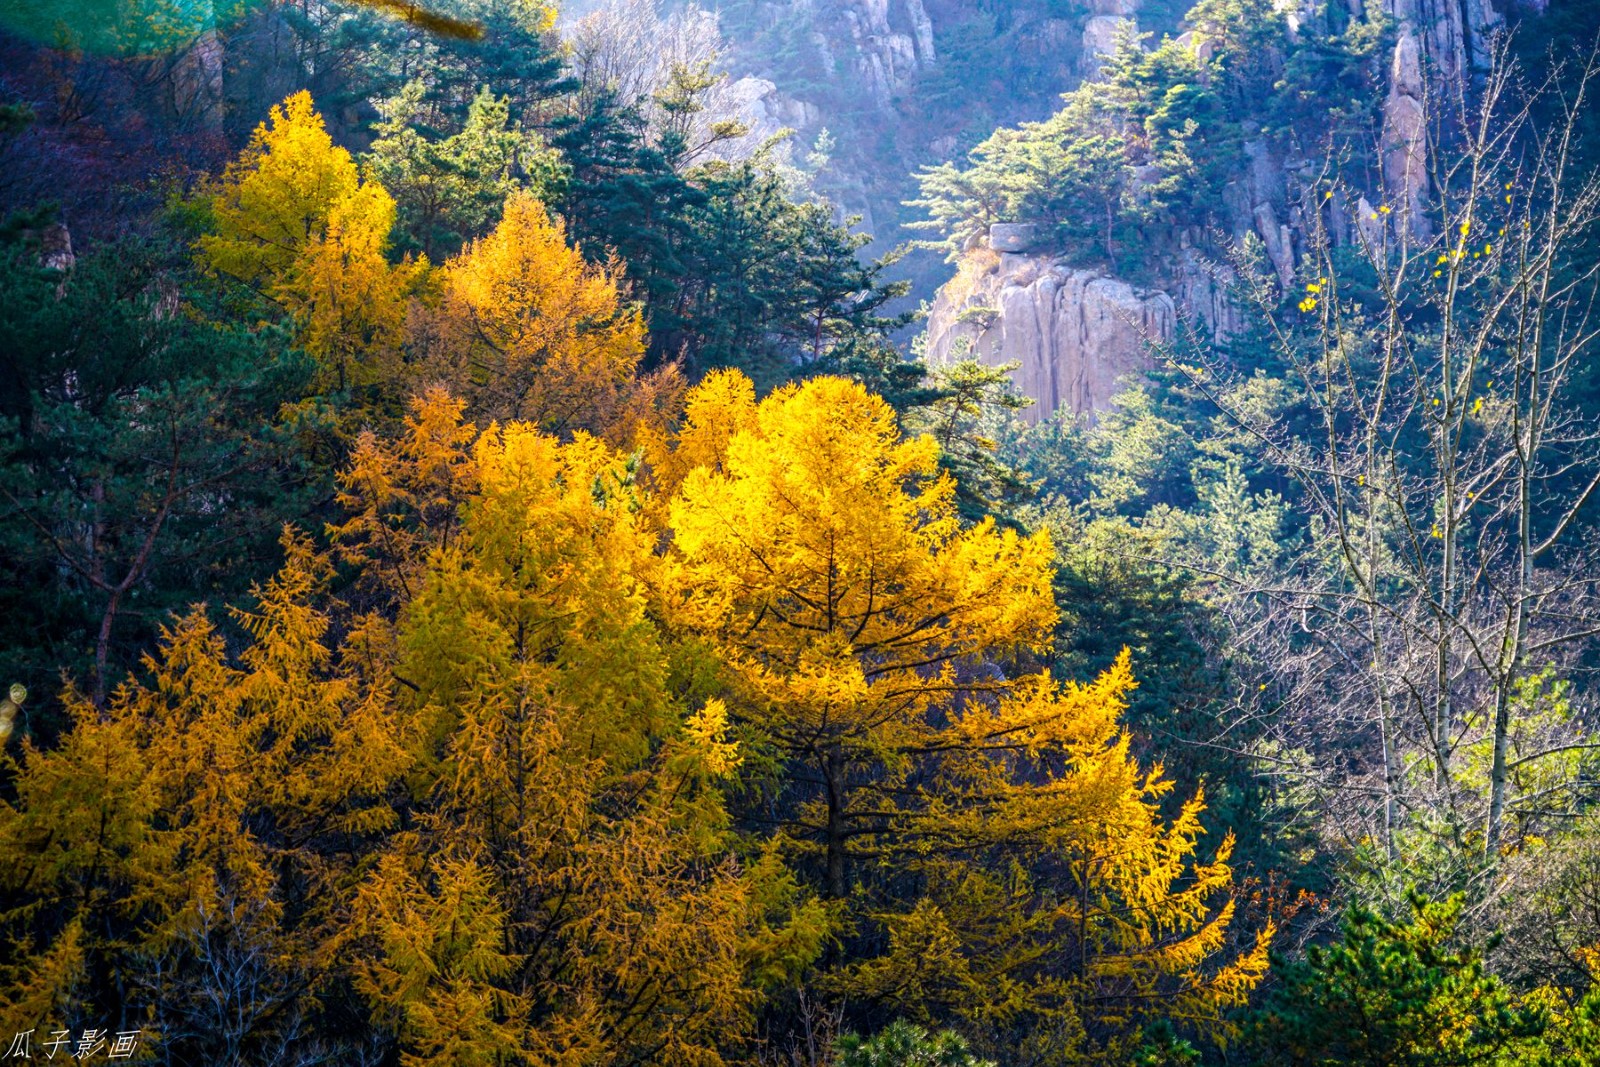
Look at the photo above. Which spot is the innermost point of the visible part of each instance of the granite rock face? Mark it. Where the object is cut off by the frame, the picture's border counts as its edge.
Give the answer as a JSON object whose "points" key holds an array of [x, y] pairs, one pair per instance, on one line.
{"points": [[1075, 330], [1455, 35], [889, 45], [1077, 334], [196, 84], [1100, 40], [55, 248], [1405, 133]]}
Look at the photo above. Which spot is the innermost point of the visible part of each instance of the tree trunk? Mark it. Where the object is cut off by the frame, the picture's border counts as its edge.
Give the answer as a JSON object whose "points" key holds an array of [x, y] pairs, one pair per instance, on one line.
{"points": [[834, 776], [102, 650]]}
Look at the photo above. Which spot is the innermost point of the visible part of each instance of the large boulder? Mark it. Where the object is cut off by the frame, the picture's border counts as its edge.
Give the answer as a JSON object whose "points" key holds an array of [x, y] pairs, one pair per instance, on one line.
{"points": [[1013, 236]]}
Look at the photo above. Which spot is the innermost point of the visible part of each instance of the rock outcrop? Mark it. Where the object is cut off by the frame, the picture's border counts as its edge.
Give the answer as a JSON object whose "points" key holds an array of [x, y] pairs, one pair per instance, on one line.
{"points": [[888, 44], [1100, 40], [1013, 236], [1456, 35], [196, 82], [55, 248], [1076, 334], [1405, 133]]}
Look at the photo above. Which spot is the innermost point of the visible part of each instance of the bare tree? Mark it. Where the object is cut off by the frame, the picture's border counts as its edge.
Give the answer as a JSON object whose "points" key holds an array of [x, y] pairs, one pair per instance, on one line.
{"points": [[1421, 645], [668, 67]]}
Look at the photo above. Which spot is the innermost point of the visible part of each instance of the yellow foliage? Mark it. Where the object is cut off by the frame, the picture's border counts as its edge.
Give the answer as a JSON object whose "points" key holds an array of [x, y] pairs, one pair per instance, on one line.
{"points": [[442, 962], [565, 771], [707, 731], [824, 556], [565, 887], [1056, 883], [348, 301], [494, 805], [721, 405], [402, 496], [883, 649], [293, 220], [197, 810], [276, 198], [532, 332]]}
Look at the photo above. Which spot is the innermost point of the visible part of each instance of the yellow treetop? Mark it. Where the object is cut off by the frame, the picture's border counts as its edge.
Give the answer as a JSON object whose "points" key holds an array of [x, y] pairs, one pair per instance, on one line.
{"points": [[576, 898], [347, 299], [495, 816], [402, 496], [884, 651], [293, 220], [824, 555], [276, 197], [534, 332], [497, 807]]}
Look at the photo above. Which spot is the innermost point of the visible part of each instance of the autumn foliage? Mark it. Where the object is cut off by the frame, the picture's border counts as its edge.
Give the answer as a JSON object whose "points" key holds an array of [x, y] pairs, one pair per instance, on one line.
{"points": [[589, 728], [541, 336], [880, 651], [294, 220], [500, 817]]}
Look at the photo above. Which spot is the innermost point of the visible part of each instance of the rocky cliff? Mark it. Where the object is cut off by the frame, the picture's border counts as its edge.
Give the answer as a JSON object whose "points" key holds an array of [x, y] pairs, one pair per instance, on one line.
{"points": [[899, 84], [1076, 332], [903, 83]]}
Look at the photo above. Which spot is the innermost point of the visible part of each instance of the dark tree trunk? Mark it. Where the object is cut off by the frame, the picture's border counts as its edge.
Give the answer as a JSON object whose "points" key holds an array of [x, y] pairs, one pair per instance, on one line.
{"points": [[834, 776]]}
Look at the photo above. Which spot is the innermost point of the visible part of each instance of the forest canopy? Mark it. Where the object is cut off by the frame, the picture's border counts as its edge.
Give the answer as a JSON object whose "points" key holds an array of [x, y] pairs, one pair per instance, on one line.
{"points": [[497, 571]]}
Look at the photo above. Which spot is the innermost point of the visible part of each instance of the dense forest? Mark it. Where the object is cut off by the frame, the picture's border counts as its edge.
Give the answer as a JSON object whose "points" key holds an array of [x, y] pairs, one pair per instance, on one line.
{"points": [[823, 533]]}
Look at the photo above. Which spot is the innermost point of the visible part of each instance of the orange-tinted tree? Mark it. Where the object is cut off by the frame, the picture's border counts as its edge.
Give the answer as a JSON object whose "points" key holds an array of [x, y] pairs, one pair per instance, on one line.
{"points": [[529, 331], [490, 819], [933, 777], [183, 862], [292, 219], [572, 893]]}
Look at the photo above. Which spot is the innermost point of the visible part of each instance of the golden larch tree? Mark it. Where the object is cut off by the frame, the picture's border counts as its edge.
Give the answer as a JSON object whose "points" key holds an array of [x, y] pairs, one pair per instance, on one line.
{"points": [[530, 331], [188, 855], [573, 891], [937, 781], [492, 818], [293, 220]]}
